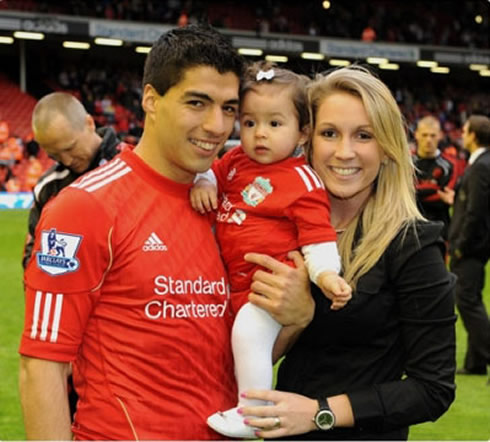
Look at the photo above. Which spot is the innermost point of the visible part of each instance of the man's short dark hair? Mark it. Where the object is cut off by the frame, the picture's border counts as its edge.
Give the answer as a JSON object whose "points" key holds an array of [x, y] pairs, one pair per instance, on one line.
{"points": [[480, 126], [180, 49]]}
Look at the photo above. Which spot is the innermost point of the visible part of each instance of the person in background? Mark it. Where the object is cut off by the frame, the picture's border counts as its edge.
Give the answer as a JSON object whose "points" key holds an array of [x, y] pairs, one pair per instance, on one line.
{"points": [[387, 360], [4, 130], [469, 244], [62, 127], [33, 172], [5, 175], [270, 201], [436, 175]]}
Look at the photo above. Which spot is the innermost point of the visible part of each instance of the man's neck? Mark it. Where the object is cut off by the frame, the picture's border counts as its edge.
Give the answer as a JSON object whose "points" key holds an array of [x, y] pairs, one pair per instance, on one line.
{"points": [[428, 155], [149, 153], [473, 147]]}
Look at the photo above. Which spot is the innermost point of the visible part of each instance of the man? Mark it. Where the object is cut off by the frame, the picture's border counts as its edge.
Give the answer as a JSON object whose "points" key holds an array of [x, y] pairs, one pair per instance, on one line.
{"points": [[469, 241], [139, 302], [436, 176], [67, 133]]}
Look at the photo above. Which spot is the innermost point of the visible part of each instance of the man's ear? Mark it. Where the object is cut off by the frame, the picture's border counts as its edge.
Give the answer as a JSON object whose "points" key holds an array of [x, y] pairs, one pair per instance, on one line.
{"points": [[89, 121], [149, 101]]}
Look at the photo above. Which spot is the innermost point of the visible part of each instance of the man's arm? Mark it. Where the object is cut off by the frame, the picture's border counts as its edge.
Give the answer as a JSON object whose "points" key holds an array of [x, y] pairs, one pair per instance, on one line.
{"points": [[44, 399], [34, 215], [48, 186]]}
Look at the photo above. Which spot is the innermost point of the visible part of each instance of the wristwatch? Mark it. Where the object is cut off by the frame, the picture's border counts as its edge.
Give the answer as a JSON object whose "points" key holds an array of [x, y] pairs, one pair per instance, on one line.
{"points": [[324, 418]]}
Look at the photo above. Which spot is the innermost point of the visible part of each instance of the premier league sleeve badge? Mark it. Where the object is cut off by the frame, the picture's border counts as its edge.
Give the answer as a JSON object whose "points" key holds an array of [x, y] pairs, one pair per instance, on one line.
{"points": [[58, 252]]}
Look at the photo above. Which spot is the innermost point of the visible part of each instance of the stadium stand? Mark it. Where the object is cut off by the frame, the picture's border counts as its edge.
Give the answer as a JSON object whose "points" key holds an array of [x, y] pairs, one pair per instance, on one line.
{"points": [[16, 107], [108, 80], [448, 23]]}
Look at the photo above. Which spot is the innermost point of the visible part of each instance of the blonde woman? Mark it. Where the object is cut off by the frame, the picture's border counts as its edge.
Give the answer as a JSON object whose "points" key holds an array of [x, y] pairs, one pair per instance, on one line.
{"points": [[387, 360]]}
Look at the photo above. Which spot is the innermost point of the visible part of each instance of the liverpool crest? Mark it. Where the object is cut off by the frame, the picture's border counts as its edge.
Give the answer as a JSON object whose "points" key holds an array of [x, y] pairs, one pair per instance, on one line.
{"points": [[257, 191]]}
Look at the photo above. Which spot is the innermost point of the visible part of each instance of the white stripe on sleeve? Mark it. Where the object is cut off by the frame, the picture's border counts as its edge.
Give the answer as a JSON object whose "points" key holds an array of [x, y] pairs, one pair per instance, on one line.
{"points": [[318, 182], [35, 314], [57, 317], [100, 173], [305, 179], [46, 313], [114, 177]]}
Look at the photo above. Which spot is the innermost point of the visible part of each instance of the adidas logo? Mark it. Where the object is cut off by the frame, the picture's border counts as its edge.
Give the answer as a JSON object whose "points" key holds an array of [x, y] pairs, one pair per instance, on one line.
{"points": [[154, 244]]}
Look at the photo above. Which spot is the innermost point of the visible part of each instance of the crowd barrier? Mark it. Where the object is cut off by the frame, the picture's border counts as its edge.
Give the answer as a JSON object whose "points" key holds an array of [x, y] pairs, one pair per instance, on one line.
{"points": [[16, 200]]}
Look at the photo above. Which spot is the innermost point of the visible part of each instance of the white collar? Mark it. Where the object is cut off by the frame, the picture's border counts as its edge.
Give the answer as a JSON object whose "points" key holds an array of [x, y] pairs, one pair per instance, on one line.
{"points": [[476, 154]]}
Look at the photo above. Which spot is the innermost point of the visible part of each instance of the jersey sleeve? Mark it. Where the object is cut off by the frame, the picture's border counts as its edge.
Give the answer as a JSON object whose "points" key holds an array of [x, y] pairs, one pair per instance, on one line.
{"points": [[70, 258], [310, 208], [321, 257]]}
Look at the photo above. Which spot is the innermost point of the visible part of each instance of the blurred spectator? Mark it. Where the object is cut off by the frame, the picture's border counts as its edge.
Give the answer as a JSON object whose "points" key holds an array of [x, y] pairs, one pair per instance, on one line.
{"points": [[31, 146], [33, 172], [5, 155], [5, 175], [369, 34], [107, 108], [4, 131], [183, 19], [280, 22], [11, 150], [15, 146], [13, 184]]}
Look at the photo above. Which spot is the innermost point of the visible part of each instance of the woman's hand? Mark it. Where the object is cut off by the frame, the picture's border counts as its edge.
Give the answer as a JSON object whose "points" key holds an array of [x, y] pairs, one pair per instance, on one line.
{"points": [[289, 413], [285, 291]]}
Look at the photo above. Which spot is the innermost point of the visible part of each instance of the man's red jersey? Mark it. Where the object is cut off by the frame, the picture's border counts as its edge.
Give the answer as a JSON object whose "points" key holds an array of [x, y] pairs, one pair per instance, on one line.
{"points": [[127, 283], [267, 208]]}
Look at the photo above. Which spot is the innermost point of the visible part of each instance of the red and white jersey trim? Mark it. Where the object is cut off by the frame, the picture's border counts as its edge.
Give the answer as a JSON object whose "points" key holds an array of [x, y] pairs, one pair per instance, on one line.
{"points": [[103, 175], [50, 321], [309, 177]]}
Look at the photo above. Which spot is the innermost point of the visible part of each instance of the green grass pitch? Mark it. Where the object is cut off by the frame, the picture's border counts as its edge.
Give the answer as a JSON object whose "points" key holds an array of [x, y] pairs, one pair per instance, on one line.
{"points": [[467, 419]]}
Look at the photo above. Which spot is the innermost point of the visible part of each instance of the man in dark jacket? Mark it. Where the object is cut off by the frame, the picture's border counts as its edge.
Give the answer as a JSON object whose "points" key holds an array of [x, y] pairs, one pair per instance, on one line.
{"points": [[65, 130], [469, 242]]}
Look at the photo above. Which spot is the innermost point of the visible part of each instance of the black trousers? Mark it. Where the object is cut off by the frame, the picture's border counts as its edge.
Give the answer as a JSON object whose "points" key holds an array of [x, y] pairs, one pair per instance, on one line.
{"points": [[469, 300]]}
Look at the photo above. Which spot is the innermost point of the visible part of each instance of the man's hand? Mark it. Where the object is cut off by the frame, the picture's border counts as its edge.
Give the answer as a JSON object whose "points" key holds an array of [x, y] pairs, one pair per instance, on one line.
{"points": [[283, 291], [447, 195]]}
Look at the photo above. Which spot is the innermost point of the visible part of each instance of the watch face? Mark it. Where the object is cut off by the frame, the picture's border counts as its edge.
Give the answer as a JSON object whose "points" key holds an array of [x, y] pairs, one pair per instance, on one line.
{"points": [[325, 420]]}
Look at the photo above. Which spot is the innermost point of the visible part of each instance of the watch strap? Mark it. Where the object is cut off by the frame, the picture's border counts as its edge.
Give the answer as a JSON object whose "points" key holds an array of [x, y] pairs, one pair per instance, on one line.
{"points": [[324, 410], [322, 403]]}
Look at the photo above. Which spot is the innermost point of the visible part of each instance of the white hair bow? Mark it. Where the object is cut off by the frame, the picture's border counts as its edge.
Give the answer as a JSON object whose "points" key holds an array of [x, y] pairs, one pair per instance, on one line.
{"points": [[265, 75]]}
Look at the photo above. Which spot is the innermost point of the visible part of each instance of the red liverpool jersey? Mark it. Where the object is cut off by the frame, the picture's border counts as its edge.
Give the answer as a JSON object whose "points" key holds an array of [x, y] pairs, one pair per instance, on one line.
{"points": [[267, 208], [127, 283]]}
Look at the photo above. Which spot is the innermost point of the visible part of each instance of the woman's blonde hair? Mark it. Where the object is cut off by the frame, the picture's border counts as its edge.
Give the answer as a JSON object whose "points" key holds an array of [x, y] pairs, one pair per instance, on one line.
{"points": [[391, 206]]}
